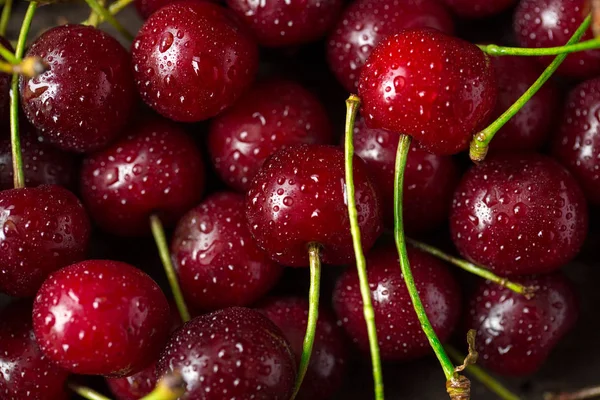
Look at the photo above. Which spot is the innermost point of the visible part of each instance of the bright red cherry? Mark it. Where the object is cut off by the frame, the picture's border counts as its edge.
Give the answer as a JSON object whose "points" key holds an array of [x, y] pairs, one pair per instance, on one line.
{"points": [[398, 329], [191, 60], [479, 8], [232, 353], [135, 386], [519, 214], [298, 197], [273, 115], [426, 84], [156, 169], [41, 230], [364, 23], [515, 335], [85, 98], [101, 317]]}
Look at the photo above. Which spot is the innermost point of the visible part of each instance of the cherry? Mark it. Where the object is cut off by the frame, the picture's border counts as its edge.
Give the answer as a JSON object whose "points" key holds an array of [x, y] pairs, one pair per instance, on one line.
{"points": [[273, 115], [135, 386], [84, 100], [232, 353], [519, 214], [398, 329], [298, 198], [156, 169], [25, 373], [514, 334], [43, 229], [479, 8], [328, 361], [549, 23], [426, 84], [429, 180], [364, 23], [101, 317], [191, 60]]}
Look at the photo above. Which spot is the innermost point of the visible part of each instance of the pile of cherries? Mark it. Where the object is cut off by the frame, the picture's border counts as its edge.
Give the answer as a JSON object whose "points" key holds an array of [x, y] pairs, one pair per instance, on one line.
{"points": [[111, 141]]}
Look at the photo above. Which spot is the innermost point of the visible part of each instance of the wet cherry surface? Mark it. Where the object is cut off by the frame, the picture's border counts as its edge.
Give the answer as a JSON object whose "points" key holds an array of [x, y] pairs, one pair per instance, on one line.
{"points": [[134, 386]]}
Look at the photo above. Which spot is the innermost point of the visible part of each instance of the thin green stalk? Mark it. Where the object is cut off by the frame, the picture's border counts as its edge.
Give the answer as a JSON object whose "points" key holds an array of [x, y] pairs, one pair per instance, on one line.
{"points": [[163, 251], [170, 387], [5, 17], [583, 394], [113, 9], [108, 17], [313, 313], [86, 392], [495, 50], [8, 55], [352, 105], [481, 141]]}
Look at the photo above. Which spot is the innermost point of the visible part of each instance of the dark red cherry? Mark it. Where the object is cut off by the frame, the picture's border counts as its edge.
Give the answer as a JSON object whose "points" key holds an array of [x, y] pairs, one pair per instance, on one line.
{"points": [[529, 128], [155, 169], [364, 23], [577, 143], [25, 373], [273, 115], [549, 23], [327, 366], [479, 8], [85, 98], [398, 329], [232, 353], [287, 23], [429, 179], [519, 214], [135, 386], [101, 317], [41, 230], [298, 197], [191, 60], [426, 84], [515, 335], [5, 81]]}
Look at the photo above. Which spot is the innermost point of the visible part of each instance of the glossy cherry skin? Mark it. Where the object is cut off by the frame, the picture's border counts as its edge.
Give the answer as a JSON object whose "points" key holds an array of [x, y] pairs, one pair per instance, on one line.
{"points": [[101, 317], [364, 23], [84, 100], [25, 372], [155, 169], [515, 335], [398, 329], [232, 353], [429, 179], [577, 143], [43, 229], [437, 88], [328, 360], [550, 23], [135, 386], [297, 198], [519, 214], [273, 115], [479, 8], [191, 60]]}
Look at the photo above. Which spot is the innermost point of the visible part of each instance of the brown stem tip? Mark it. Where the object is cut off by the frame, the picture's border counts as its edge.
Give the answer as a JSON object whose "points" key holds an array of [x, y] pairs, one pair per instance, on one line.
{"points": [[459, 387]]}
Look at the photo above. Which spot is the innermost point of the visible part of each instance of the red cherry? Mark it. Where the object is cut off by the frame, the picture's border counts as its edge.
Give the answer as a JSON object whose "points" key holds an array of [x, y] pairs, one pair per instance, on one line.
{"points": [[398, 329], [42, 229], [515, 335], [232, 353], [101, 317], [479, 8], [519, 214], [134, 387], [191, 60], [364, 23], [84, 100], [328, 361], [156, 169], [273, 115], [434, 87], [298, 197]]}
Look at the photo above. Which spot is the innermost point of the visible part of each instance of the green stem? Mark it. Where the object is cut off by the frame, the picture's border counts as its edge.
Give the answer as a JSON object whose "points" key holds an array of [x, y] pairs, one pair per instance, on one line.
{"points": [[170, 387], [163, 250], [583, 394], [481, 141], [108, 17], [8, 55], [313, 313], [118, 5], [352, 105], [495, 50], [4, 18], [86, 392]]}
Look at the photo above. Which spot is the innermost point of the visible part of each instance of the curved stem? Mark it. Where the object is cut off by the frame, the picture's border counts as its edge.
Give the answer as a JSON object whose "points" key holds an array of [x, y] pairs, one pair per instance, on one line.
{"points": [[4, 18], [170, 387], [583, 394], [163, 250], [8, 55], [313, 313], [352, 105], [481, 141], [86, 392], [108, 17], [113, 9], [94, 18], [495, 50]]}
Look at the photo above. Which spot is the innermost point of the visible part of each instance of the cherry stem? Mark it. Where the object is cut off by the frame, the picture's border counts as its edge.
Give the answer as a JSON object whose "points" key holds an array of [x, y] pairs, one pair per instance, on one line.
{"points": [[113, 9], [583, 394], [94, 18], [481, 141], [165, 256], [108, 17], [29, 67], [495, 50], [313, 313], [6, 11], [352, 105], [481, 271], [170, 387], [8, 55], [86, 392]]}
